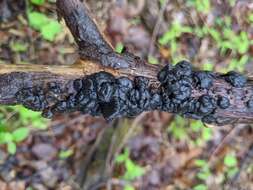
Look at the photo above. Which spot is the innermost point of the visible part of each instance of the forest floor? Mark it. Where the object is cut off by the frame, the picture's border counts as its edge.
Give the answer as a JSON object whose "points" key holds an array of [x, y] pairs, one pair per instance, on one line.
{"points": [[152, 151]]}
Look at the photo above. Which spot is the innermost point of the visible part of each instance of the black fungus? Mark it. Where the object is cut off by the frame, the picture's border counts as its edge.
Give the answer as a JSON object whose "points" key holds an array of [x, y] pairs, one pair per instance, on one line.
{"points": [[250, 103], [31, 98], [207, 105], [103, 94], [203, 79], [77, 84], [183, 68], [223, 102], [235, 79]]}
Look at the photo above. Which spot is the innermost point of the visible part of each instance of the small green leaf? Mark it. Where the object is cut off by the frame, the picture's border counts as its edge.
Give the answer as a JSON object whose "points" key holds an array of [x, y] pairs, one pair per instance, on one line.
{"points": [[5, 137], [232, 172], [208, 66], [203, 175], [31, 117], [230, 160], [65, 153], [200, 187], [196, 126], [119, 47], [50, 30], [201, 163], [20, 134], [11, 147], [18, 47], [123, 157], [133, 170], [152, 60], [37, 20], [129, 187], [38, 2], [251, 17], [206, 134]]}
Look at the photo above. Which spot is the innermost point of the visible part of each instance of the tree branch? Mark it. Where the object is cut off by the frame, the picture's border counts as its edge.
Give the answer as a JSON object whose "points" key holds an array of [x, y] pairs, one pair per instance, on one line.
{"points": [[113, 85]]}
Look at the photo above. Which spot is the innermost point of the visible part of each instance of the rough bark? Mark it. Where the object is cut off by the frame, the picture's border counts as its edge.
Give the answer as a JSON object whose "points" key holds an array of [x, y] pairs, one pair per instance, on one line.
{"points": [[211, 97]]}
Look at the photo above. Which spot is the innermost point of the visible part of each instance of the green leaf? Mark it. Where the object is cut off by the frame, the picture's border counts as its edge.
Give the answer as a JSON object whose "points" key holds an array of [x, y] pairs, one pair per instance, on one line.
{"points": [[133, 170], [129, 187], [203, 175], [50, 30], [5, 137], [119, 47], [251, 17], [206, 134], [18, 47], [31, 117], [201, 163], [230, 160], [20, 134], [37, 20], [123, 157], [196, 126], [152, 60], [208, 66], [232, 172], [11, 147], [38, 2], [200, 187], [65, 153]]}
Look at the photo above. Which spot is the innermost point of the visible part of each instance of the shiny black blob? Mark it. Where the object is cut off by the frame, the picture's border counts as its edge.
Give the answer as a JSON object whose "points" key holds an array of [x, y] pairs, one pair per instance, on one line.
{"points": [[105, 92], [176, 86], [163, 74], [203, 79], [77, 84], [31, 98], [111, 110], [207, 105], [183, 68], [125, 83], [223, 102], [250, 103], [235, 79]]}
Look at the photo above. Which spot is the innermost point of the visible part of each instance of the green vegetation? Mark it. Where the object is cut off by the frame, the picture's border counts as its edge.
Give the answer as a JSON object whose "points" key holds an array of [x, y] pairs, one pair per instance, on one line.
{"points": [[132, 170], [170, 38], [202, 6], [18, 47], [15, 125], [230, 161], [232, 45], [65, 153], [203, 174], [193, 131], [47, 27], [152, 60], [37, 2], [119, 47]]}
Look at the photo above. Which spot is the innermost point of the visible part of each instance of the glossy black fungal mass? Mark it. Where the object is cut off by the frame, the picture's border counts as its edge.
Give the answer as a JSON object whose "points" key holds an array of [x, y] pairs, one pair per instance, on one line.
{"points": [[103, 94], [203, 79], [223, 102], [235, 79], [250, 103]]}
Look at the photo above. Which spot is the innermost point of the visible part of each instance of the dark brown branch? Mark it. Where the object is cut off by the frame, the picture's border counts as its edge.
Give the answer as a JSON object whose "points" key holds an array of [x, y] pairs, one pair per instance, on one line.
{"points": [[97, 55]]}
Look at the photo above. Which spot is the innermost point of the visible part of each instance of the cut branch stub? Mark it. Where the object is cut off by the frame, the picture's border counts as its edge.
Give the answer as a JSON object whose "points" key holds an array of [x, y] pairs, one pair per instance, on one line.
{"points": [[105, 83]]}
